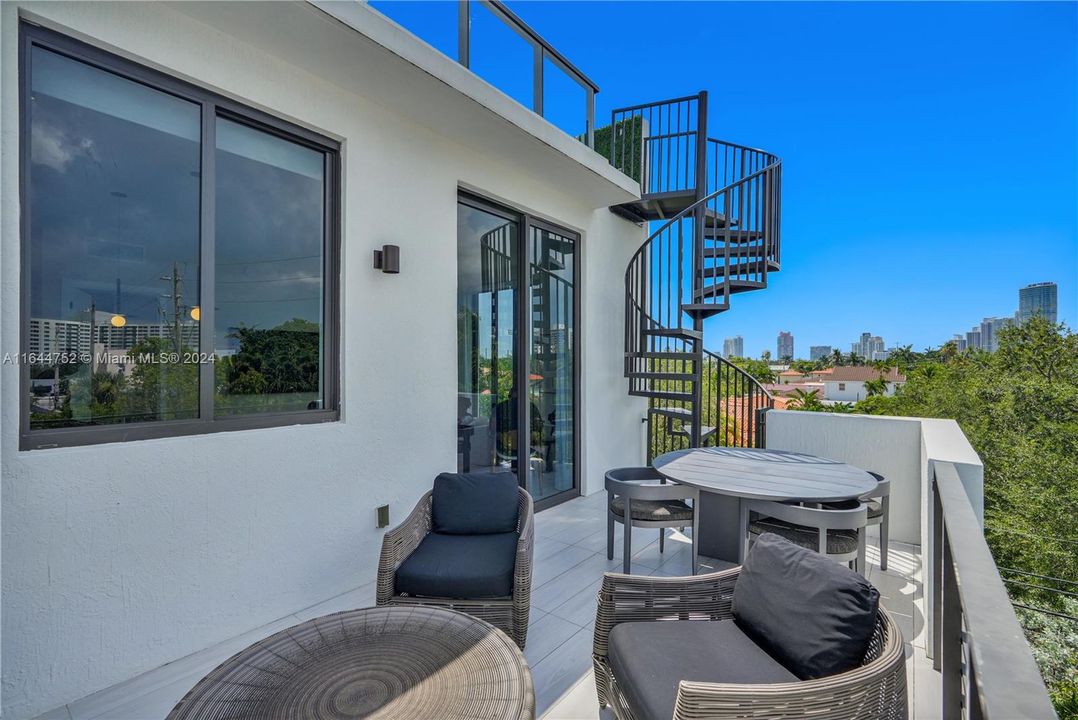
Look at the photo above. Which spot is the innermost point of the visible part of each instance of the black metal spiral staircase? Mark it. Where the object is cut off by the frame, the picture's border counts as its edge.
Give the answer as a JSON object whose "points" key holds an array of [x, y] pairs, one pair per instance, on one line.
{"points": [[714, 207]]}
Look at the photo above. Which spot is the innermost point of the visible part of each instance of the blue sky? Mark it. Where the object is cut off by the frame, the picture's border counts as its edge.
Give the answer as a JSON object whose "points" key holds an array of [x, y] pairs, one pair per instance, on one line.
{"points": [[930, 150]]}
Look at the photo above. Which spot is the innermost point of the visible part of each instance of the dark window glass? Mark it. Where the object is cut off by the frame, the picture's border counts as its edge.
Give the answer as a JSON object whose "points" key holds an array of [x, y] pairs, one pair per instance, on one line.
{"points": [[114, 248], [551, 367], [131, 179], [487, 416], [268, 331]]}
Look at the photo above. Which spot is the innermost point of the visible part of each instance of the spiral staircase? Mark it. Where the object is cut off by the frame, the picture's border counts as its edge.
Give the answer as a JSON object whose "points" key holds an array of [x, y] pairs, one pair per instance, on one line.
{"points": [[714, 210]]}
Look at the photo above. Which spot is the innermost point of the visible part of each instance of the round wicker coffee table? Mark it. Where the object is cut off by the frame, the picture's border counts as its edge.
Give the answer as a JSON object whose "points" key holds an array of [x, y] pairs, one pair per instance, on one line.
{"points": [[406, 663]]}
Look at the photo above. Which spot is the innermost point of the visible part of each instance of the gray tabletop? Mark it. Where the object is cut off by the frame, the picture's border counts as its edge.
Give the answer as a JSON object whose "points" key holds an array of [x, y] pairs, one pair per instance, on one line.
{"points": [[765, 474]]}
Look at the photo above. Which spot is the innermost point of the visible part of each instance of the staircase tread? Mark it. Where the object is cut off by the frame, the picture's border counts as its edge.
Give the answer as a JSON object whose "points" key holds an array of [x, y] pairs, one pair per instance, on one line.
{"points": [[674, 332], [672, 411]]}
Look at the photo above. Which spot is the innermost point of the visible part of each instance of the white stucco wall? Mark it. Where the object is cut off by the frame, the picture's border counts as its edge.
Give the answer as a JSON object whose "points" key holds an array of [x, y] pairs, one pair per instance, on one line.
{"points": [[903, 449], [119, 558], [886, 445], [850, 390]]}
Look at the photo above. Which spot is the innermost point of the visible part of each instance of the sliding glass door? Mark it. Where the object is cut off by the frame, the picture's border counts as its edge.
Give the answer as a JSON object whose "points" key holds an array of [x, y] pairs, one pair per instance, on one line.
{"points": [[516, 391], [551, 387]]}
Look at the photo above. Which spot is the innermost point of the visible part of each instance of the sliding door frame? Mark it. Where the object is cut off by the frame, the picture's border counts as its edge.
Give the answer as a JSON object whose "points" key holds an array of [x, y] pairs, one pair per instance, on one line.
{"points": [[522, 336]]}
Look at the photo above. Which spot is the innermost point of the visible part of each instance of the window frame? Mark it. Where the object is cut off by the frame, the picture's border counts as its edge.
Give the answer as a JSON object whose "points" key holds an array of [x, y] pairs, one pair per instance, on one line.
{"points": [[212, 106]]}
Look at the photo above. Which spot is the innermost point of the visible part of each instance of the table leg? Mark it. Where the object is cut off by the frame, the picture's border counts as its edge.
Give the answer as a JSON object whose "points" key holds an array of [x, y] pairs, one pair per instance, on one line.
{"points": [[720, 526]]}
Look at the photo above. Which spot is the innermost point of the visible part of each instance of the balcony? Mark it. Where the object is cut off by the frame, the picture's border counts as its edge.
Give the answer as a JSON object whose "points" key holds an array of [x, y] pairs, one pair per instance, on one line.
{"points": [[965, 653]]}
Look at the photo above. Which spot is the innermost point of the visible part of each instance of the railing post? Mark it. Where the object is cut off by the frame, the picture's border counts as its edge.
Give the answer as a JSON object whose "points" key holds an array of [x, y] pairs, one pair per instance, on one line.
{"points": [[760, 439], [591, 120], [537, 78], [936, 588], [463, 33]]}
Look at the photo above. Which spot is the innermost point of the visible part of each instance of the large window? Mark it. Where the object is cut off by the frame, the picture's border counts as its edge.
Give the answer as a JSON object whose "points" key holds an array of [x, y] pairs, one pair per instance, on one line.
{"points": [[179, 256]]}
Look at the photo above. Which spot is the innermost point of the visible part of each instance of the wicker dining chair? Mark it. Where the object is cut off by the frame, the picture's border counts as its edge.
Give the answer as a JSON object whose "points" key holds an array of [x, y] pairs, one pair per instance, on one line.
{"points": [[508, 612], [876, 690], [837, 533], [641, 497]]}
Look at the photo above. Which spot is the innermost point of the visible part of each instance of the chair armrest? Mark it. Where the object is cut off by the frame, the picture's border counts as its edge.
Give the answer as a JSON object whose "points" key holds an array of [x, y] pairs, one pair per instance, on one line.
{"points": [[824, 519], [635, 598], [522, 571], [399, 543], [879, 684]]}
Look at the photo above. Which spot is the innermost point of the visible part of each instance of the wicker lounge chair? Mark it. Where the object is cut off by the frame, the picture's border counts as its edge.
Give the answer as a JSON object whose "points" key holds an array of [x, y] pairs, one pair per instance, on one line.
{"points": [[676, 618], [505, 607]]}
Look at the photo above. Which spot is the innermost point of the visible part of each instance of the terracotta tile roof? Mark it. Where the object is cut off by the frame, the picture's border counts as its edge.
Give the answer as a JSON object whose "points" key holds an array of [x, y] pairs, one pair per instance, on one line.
{"points": [[864, 374]]}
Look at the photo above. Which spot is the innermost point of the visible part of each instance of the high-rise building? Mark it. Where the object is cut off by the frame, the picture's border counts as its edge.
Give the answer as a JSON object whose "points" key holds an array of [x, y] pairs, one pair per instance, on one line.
{"points": [[819, 352], [869, 347], [990, 328], [1038, 298], [733, 347], [973, 339], [959, 343], [785, 345]]}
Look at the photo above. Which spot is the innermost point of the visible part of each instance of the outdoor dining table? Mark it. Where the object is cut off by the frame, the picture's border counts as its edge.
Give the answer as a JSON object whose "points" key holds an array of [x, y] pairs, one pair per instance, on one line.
{"points": [[726, 476], [402, 663]]}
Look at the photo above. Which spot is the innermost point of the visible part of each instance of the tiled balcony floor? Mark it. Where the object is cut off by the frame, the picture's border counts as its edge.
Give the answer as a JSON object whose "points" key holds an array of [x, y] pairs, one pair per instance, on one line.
{"points": [[570, 558]]}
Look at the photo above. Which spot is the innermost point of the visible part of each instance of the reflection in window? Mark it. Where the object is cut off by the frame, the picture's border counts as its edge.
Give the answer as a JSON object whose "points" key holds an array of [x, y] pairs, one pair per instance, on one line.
{"points": [[119, 329], [114, 248], [487, 417], [551, 366], [268, 326]]}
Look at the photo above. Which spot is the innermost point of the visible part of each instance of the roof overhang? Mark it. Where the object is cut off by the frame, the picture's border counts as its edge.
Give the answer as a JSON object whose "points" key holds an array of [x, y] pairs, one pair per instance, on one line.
{"points": [[357, 48]]}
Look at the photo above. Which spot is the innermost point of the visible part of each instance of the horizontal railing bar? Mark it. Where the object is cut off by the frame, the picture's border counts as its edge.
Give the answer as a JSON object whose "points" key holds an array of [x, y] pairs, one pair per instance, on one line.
{"points": [[1032, 586], [660, 103], [1047, 612], [1042, 577], [513, 19], [666, 136], [1008, 682]]}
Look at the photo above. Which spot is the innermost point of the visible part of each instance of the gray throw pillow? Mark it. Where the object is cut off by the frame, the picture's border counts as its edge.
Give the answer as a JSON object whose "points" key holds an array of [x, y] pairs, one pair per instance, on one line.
{"points": [[810, 613]]}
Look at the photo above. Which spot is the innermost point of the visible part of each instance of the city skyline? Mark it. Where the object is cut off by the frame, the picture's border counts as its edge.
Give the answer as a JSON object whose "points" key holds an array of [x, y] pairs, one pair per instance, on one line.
{"points": [[981, 334]]}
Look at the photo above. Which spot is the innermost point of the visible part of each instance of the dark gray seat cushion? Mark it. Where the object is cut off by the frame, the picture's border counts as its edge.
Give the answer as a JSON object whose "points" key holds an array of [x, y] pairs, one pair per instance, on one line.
{"points": [[875, 507], [650, 658], [474, 503], [838, 541], [460, 566], [812, 614], [655, 510]]}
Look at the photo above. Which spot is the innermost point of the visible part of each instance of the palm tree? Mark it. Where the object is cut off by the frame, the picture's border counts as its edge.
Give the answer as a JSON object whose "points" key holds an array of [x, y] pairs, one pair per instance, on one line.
{"points": [[877, 386], [836, 357], [801, 400], [854, 359]]}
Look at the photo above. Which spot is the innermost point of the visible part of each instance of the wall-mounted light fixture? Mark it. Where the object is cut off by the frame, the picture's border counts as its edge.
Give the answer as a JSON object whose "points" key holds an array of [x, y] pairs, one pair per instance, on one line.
{"points": [[388, 259]]}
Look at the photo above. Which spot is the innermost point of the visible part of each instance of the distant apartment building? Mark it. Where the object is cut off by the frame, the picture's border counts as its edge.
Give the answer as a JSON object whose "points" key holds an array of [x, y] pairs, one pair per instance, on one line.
{"points": [[785, 345], [959, 342], [50, 335], [870, 347], [1038, 299], [733, 347], [819, 352], [990, 329], [973, 339]]}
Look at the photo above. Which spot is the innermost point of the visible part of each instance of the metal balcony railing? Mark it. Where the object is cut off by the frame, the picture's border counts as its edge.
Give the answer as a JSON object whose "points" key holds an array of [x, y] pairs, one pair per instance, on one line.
{"points": [[542, 51], [986, 667]]}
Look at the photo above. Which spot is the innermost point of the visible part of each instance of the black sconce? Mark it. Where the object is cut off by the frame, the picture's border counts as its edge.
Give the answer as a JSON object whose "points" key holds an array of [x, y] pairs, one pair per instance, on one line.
{"points": [[388, 259]]}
